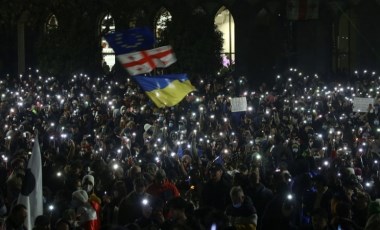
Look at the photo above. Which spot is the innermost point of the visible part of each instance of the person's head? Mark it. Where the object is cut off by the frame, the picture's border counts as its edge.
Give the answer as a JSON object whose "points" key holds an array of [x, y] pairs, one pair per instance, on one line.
{"points": [[62, 224], [139, 185], [88, 183], [42, 222], [216, 172], [320, 183], [362, 201], [319, 219], [79, 198], [134, 171], [237, 196], [186, 160], [177, 207], [160, 176], [18, 214]]}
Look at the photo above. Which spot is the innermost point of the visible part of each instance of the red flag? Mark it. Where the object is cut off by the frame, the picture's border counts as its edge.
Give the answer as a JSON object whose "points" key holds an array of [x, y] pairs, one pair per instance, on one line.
{"points": [[145, 61], [302, 9]]}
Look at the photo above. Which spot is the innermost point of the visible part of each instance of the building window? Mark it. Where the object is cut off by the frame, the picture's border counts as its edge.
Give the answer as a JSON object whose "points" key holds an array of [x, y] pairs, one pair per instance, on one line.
{"points": [[344, 43], [137, 18], [226, 25], [107, 25], [162, 18], [51, 24]]}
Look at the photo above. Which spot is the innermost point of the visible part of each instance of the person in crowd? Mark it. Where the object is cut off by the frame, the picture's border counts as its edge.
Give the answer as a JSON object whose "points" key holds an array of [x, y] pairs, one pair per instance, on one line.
{"points": [[152, 214], [88, 184], [319, 220], [179, 211], [16, 218], [135, 201], [162, 188], [215, 192], [343, 217], [241, 213], [281, 208], [373, 221], [41, 222], [259, 193], [87, 212]]}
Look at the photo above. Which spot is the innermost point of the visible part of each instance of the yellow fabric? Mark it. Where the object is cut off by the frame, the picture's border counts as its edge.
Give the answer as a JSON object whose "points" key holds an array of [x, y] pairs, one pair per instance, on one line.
{"points": [[95, 198], [172, 94]]}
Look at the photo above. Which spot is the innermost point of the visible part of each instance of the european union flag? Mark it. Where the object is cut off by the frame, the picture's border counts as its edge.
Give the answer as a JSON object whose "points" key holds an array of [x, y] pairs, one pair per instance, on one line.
{"points": [[135, 39], [165, 90]]}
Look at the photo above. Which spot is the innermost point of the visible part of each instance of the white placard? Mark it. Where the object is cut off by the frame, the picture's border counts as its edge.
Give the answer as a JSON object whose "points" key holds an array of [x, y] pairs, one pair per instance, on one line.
{"points": [[360, 104], [238, 104]]}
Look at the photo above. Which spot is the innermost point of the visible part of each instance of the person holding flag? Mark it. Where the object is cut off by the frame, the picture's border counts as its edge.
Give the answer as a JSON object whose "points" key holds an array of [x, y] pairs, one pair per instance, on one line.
{"points": [[31, 196]]}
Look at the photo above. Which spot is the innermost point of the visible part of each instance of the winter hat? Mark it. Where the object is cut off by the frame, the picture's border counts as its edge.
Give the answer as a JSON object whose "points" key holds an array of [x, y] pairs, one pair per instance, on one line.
{"points": [[80, 195], [89, 178], [147, 127]]}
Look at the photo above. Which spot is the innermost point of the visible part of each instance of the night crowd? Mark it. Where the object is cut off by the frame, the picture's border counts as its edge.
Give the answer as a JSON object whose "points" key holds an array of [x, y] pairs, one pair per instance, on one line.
{"points": [[299, 157]]}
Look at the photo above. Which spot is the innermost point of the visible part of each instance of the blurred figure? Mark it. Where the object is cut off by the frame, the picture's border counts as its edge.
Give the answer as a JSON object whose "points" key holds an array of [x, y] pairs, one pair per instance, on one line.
{"points": [[241, 213], [260, 194], [162, 188], [215, 192], [373, 221], [88, 184], [153, 216], [343, 217], [41, 222], [133, 201], [88, 212], [179, 216], [16, 218]]}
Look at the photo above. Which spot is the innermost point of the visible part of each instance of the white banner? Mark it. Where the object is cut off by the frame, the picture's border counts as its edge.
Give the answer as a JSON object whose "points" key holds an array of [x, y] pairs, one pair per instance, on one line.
{"points": [[360, 104], [238, 104]]}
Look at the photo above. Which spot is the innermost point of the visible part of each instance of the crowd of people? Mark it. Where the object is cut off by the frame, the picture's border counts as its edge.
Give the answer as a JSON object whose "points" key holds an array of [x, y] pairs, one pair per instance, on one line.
{"points": [[299, 157]]}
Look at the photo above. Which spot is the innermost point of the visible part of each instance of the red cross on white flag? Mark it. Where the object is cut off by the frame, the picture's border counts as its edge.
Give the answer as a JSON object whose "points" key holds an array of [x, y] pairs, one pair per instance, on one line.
{"points": [[145, 61]]}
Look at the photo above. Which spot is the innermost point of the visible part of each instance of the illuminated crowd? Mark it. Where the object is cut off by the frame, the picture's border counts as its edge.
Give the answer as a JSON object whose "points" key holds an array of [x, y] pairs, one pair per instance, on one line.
{"points": [[299, 157]]}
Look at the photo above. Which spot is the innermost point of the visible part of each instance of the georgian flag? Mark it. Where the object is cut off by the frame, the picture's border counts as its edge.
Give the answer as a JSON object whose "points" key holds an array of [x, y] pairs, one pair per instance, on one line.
{"points": [[302, 9], [31, 191], [147, 60]]}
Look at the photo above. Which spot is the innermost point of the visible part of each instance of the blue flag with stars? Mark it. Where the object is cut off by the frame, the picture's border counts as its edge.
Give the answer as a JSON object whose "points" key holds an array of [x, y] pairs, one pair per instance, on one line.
{"points": [[131, 40]]}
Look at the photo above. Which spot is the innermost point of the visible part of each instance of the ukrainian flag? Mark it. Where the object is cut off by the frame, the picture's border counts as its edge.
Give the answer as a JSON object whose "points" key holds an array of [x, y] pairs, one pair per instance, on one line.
{"points": [[165, 90]]}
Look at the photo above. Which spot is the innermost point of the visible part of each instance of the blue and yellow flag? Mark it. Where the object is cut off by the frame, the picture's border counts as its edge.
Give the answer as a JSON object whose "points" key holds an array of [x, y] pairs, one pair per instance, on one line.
{"points": [[131, 40], [165, 90]]}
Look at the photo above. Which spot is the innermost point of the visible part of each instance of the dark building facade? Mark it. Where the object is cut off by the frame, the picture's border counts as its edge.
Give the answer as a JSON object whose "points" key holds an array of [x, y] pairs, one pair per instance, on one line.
{"points": [[343, 37]]}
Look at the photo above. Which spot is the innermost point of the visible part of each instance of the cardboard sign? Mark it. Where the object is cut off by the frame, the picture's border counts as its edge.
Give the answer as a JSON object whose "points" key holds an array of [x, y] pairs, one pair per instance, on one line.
{"points": [[238, 104], [360, 104]]}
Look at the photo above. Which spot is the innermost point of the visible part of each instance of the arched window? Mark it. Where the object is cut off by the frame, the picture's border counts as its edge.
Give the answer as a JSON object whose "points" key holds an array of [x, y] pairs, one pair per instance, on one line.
{"points": [[107, 25], [162, 18], [225, 24], [51, 23]]}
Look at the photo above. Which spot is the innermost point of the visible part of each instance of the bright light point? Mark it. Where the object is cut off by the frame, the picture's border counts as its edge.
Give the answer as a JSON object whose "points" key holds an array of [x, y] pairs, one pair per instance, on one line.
{"points": [[115, 166]]}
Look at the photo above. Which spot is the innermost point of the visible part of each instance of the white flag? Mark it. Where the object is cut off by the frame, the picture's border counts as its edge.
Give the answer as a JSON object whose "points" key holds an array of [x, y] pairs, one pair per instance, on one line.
{"points": [[31, 191], [147, 60]]}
